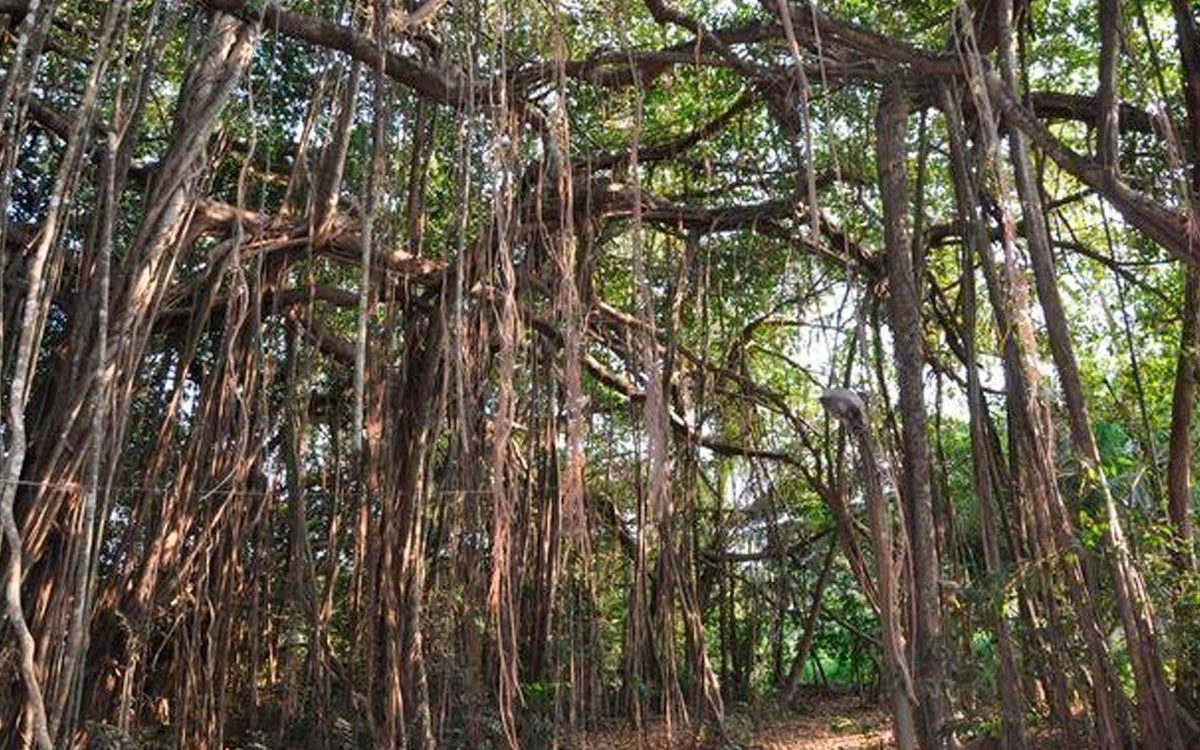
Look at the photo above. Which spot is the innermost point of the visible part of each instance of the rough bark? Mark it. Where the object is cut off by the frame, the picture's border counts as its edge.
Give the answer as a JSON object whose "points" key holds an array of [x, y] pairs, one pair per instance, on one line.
{"points": [[909, 348], [1179, 490]]}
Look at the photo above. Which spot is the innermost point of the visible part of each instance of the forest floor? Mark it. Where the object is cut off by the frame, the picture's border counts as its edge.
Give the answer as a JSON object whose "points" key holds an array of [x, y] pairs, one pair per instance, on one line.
{"points": [[823, 721]]}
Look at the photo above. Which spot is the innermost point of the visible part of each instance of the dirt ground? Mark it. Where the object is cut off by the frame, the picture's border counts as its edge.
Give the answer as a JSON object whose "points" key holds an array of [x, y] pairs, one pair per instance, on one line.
{"points": [[833, 723], [830, 722], [822, 722]]}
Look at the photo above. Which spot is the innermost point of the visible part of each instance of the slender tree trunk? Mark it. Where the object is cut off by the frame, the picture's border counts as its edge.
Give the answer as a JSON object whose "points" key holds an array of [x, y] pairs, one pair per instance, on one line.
{"points": [[1033, 429], [40, 281], [1159, 723], [975, 234], [848, 407], [791, 684]]}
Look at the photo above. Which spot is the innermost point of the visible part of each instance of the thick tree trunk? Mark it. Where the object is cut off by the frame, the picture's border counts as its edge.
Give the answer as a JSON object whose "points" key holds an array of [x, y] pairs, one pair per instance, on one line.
{"points": [[1179, 494], [908, 336], [1179, 466]]}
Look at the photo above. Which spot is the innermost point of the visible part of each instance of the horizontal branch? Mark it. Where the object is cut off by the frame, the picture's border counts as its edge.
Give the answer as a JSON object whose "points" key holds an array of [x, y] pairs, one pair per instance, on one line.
{"points": [[428, 82], [273, 299], [1054, 105], [1168, 228], [342, 242]]}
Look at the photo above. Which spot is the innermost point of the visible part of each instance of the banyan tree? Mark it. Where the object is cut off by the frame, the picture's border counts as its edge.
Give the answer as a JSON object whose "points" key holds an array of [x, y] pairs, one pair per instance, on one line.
{"points": [[496, 373]]}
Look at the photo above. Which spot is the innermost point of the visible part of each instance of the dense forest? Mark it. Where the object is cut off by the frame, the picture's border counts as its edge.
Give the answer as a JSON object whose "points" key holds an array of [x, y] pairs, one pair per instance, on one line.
{"points": [[546, 373]]}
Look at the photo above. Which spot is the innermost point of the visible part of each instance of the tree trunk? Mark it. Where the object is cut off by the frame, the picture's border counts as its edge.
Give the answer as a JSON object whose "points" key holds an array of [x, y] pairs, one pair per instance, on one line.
{"points": [[791, 684], [1159, 723], [849, 408], [1179, 466], [974, 235], [1179, 495], [908, 336]]}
